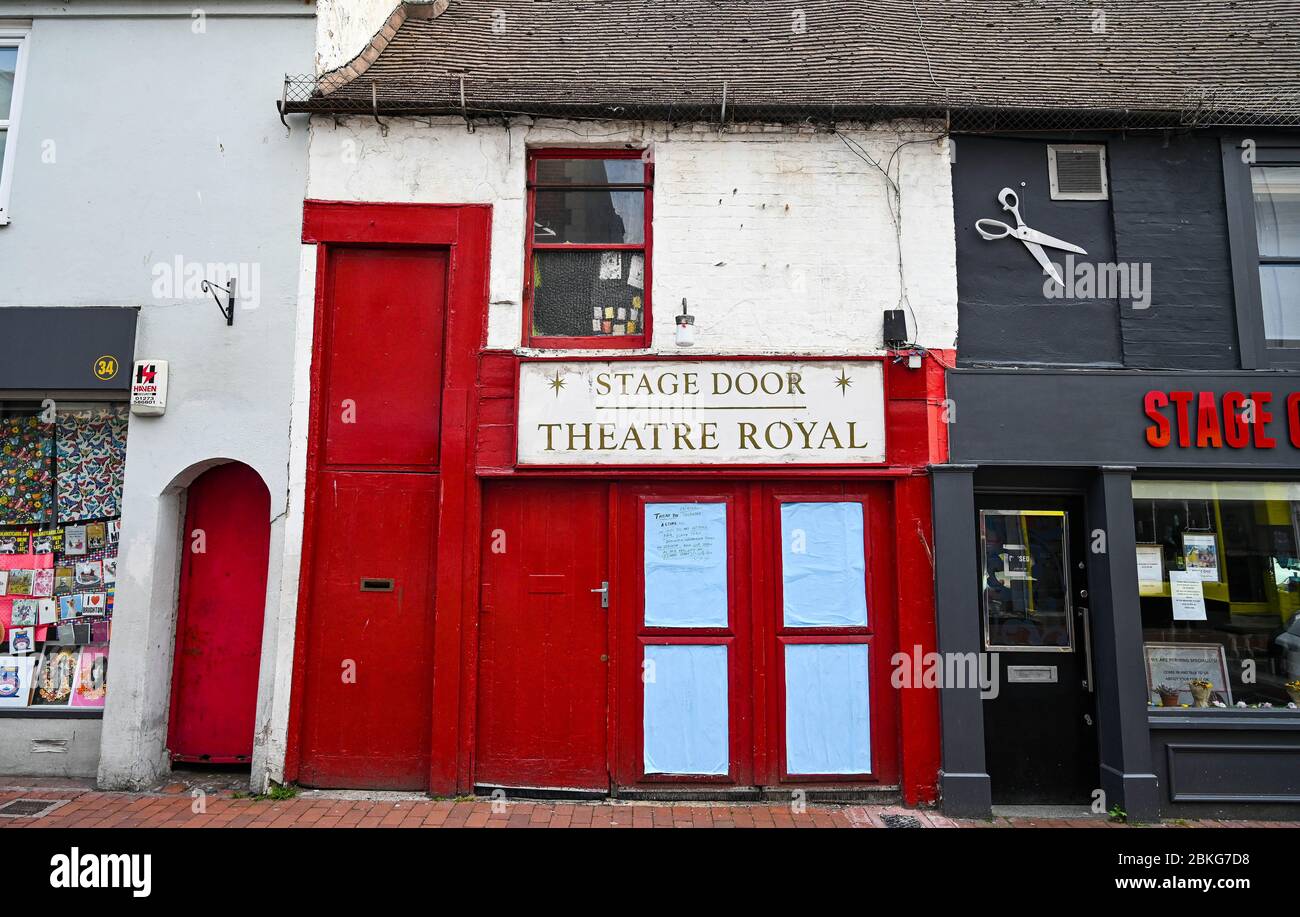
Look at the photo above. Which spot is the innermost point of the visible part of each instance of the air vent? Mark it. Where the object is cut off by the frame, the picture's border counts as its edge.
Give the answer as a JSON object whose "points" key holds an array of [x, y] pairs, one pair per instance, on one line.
{"points": [[1077, 172], [29, 808]]}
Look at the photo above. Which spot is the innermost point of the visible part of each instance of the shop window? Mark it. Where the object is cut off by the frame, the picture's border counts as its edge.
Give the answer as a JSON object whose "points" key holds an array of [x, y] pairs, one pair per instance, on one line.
{"points": [[587, 277], [1025, 580], [1219, 584], [13, 52], [1262, 186], [61, 471]]}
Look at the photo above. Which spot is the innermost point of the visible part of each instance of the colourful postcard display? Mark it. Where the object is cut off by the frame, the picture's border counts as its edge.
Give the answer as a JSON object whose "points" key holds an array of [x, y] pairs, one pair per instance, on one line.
{"points": [[14, 541], [21, 582], [56, 677], [16, 680], [25, 612], [92, 677], [22, 640], [70, 606]]}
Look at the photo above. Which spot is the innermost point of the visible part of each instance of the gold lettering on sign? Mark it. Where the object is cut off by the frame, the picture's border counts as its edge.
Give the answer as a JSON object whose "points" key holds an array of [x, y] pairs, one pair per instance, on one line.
{"points": [[744, 411]]}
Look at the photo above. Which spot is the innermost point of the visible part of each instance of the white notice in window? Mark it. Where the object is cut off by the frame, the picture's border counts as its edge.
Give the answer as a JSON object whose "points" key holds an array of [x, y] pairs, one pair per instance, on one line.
{"points": [[1188, 595]]}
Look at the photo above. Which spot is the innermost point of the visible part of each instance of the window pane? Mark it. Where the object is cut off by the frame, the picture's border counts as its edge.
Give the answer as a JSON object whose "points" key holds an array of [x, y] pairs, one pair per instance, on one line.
{"points": [[686, 565], [8, 67], [1026, 579], [1277, 209], [590, 171], [590, 217], [823, 565], [1219, 591], [586, 293], [827, 709], [685, 710], [1279, 293]]}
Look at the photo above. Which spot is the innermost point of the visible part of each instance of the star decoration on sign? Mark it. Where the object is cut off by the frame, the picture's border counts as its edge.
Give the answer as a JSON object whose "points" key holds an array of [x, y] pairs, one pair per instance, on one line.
{"points": [[556, 383], [843, 382]]}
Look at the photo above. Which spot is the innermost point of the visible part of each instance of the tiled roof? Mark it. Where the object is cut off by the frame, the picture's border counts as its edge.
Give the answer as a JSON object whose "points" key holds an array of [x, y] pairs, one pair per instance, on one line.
{"points": [[639, 58]]}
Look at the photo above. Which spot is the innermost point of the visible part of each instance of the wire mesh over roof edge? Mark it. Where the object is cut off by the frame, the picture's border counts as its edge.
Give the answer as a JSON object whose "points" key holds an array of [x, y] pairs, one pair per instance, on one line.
{"points": [[1208, 109]]}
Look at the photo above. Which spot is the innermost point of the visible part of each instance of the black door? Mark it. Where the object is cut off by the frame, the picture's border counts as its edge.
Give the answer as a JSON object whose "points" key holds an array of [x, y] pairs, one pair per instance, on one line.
{"points": [[1039, 733]]}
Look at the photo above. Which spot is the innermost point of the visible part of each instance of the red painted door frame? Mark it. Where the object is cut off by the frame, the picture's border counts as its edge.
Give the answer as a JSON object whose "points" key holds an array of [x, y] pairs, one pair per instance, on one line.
{"points": [[480, 383], [465, 231]]}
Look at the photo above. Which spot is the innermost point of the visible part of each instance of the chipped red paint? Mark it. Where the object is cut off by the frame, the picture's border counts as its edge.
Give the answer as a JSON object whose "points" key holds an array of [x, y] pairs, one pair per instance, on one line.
{"points": [[468, 742]]}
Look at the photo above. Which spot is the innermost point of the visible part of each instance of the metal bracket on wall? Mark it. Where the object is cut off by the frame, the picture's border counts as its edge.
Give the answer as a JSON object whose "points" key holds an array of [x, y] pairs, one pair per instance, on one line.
{"points": [[464, 110], [284, 103], [228, 310], [374, 107]]}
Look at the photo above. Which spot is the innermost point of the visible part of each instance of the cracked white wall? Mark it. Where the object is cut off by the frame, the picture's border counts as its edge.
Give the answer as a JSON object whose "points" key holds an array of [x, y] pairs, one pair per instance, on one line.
{"points": [[345, 27], [781, 239]]}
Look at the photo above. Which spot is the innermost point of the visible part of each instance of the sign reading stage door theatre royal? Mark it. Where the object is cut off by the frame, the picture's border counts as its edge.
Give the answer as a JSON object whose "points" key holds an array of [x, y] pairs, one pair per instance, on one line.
{"points": [[701, 412]]}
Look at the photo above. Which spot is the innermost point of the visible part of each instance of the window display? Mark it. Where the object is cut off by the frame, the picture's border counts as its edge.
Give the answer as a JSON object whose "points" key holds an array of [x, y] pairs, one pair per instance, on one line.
{"points": [[1219, 585], [61, 472]]}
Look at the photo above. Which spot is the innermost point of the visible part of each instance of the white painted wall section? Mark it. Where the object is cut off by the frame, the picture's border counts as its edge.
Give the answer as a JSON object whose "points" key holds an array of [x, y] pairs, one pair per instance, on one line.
{"points": [[781, 239]]}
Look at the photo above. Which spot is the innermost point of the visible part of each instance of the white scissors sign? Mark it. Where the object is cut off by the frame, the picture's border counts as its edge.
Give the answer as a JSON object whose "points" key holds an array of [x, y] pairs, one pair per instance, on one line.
{"points": [[1033, 239]]}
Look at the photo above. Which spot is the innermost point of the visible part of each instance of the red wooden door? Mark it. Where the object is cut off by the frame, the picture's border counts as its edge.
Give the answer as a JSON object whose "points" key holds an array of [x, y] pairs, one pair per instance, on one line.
{"points": [[219, 621], [846, 732], [368, 684], [543, 651], [683, 591], [366, 716], [383, 382]]}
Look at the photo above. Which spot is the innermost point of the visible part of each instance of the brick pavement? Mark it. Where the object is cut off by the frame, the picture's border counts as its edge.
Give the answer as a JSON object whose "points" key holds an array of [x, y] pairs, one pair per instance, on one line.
{"points": [[80, 806]]}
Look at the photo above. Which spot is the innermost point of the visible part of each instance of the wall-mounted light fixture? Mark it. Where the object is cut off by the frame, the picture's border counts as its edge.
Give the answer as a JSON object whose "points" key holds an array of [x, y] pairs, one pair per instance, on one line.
{"points": [[685, 327], [228, 310]]}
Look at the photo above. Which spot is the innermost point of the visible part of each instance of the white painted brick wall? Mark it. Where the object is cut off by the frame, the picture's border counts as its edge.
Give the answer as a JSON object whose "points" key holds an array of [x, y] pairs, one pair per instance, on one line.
{"points": [[781, 239]]}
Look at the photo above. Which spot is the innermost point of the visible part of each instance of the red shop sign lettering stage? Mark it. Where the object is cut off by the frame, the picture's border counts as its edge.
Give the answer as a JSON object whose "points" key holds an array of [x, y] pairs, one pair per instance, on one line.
{"points": [[1208, 420]]}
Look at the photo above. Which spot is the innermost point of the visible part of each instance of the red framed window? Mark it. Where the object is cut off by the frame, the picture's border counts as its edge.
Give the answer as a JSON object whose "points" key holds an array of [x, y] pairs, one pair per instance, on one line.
{"points": [[587, 249]]}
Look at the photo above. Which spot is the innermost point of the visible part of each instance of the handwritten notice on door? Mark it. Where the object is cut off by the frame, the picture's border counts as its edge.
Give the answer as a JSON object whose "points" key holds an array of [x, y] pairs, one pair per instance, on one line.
{"points": [[1188, 594], [686, 565]]}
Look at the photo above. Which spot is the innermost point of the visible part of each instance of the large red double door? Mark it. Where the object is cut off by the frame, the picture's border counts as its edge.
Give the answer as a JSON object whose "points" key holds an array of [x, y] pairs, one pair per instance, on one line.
{"points": [[648, 635]]}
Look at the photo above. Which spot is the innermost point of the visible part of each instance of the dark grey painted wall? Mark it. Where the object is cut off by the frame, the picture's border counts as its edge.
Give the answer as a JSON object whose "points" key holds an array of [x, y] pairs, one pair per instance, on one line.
{"points": [[1169, 210], [1246, 764], [1166, 208], [1077, 417], [1002, 314], [56, 348]]}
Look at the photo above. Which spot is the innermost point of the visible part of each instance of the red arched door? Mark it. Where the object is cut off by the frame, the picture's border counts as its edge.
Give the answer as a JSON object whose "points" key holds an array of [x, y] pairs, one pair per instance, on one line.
{"points": [[219, 626]]}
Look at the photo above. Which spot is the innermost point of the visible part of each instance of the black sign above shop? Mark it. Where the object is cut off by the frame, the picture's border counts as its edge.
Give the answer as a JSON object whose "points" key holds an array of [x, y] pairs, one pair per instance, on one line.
{"points": [[1061, 417], [76, 348]]}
